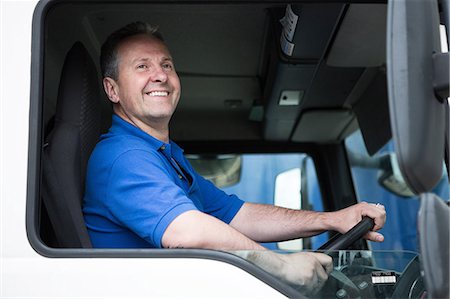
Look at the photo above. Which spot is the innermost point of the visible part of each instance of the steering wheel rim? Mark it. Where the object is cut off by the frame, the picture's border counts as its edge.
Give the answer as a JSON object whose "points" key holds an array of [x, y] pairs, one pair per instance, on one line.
{"points": [[340, 242]]}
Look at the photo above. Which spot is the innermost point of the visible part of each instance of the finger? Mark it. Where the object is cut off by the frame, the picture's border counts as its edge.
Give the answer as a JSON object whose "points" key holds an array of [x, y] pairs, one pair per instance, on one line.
{"points": [[326, 261], [374, 236], [380, 221], [378, 205], [318, 277], [328, 267], [322, 276], [377, 212]]}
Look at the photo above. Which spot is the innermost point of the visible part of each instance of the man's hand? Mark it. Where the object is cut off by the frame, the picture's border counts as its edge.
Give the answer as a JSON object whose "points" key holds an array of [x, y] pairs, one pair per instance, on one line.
{"points": [[305, 271], [343, 220]]}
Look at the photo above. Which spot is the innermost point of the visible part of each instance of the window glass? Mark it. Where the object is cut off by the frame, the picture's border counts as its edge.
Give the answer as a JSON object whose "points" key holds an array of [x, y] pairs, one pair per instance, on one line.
{"points": [[369, 176], [287, 180], [358, 274]]}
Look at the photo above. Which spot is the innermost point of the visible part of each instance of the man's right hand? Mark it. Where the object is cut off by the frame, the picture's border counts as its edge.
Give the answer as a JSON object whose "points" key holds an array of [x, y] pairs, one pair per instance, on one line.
{"points": [[305, 271]]}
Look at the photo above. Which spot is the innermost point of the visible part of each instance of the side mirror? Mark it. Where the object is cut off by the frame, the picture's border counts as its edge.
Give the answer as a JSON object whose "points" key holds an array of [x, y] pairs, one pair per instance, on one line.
{"points": [[433, 230], [288, 195], [418, 86], [297, 188], [389, 175], [222, 170]]}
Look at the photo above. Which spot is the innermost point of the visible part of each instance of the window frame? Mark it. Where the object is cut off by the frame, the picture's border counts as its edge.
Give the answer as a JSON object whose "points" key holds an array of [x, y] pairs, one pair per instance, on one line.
{"points": [[319, 153]]}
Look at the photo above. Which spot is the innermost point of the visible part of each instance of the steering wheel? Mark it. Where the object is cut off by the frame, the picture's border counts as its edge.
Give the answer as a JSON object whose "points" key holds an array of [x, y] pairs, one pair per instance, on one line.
{"points": [[340, 242], [409, 285]]}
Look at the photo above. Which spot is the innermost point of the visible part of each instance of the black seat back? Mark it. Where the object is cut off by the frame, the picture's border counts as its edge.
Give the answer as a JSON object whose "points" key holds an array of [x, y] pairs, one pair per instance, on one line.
{"points": [[68, 147]]}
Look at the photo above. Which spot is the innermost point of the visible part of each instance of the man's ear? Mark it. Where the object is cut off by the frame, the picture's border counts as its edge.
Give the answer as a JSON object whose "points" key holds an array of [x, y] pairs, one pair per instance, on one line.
{"points": [[111, 89]]}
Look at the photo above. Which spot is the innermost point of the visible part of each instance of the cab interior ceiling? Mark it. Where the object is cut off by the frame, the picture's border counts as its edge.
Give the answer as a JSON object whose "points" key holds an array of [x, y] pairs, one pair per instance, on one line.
{"points": [[237, 85]]}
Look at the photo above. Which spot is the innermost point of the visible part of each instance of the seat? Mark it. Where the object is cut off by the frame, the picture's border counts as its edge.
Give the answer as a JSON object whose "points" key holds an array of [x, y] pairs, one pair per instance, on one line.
{"points": [[68, 146]]}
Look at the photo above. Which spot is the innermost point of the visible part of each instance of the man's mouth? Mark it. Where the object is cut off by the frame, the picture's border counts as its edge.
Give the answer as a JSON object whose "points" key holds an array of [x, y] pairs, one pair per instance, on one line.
{"points": [[157, 93]]}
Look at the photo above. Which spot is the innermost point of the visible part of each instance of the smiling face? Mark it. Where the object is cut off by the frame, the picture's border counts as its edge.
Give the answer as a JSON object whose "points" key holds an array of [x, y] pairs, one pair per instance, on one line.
{"points": [[147, 90]]}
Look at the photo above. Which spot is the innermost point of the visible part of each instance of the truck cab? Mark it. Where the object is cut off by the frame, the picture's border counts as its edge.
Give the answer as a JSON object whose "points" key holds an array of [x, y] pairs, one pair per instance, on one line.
{"points": [[298, 104]]}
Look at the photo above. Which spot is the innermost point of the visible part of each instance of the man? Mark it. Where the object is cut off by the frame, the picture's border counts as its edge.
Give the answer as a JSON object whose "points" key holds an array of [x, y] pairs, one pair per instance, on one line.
{"points": [[142, 192]]}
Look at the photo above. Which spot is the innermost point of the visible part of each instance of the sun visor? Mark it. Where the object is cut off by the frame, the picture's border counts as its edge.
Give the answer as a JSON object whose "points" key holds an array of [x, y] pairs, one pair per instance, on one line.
{"points": [[324, 126], [417, 116], [372, 112], [361, 39]]}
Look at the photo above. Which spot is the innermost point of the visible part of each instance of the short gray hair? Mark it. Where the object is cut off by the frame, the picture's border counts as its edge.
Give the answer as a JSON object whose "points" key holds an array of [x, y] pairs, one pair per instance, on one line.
{"points": [[109, 61]]}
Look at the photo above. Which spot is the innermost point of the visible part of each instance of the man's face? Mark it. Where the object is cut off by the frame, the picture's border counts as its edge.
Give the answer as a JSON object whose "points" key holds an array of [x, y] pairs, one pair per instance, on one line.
{"points": [[148, 88]]}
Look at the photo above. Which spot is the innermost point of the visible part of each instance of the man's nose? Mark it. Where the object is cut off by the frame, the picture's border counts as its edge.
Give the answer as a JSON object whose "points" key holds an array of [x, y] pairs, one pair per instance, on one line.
{"points": [[158, 75]]}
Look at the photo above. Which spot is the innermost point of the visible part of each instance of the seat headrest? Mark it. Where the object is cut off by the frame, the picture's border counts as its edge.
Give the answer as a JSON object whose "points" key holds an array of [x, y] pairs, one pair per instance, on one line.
{"points": [[78, 87]]}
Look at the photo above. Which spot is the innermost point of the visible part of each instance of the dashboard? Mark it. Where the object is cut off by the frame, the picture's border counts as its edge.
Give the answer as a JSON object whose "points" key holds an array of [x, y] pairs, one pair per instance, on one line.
{"points": [[373, 274]]}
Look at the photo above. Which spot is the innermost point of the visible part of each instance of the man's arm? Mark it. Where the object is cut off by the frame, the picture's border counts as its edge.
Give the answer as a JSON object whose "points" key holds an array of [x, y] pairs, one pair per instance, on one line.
{"points": [[267, 223], [194, 229], [307, 271]]}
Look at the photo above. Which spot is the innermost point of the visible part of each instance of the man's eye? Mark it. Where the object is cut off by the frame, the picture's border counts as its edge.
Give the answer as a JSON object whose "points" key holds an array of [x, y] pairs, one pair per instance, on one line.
{"points": [[167, 66], [142, 66]]}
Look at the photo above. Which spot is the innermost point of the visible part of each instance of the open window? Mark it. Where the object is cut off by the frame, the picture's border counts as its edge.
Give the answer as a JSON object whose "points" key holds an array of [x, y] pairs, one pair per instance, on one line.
{"points": [[254, 84]]}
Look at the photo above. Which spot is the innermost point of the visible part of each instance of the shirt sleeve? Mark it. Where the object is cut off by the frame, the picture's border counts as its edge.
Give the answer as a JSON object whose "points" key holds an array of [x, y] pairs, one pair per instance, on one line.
{"points": [[143, 196], [218, 203]]}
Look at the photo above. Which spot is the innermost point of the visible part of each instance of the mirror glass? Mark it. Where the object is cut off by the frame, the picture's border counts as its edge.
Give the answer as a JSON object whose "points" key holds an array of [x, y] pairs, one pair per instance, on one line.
{"points": [[389, 174], [288, 195], [222, 170]]}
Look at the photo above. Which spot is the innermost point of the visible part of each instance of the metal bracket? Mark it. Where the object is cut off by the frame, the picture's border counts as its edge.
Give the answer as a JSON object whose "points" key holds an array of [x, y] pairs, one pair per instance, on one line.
{"points": [[441, 66]]}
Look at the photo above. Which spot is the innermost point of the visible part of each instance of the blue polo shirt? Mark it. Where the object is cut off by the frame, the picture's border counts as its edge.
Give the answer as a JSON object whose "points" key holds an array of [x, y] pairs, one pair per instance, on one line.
{"points": [[136, 185]]}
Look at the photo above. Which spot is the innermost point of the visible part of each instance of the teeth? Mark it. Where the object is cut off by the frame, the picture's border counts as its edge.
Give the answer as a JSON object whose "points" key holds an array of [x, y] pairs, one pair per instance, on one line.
{"points": [[158, 93]]}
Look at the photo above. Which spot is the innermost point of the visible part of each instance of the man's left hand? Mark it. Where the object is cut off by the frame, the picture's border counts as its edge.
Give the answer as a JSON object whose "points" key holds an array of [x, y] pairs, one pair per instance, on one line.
{"points": [[345, 219]]}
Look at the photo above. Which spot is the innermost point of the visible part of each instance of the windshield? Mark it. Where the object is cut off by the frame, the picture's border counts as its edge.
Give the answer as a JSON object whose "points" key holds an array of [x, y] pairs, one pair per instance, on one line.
{"points": [[374, 274], [363, 274]]}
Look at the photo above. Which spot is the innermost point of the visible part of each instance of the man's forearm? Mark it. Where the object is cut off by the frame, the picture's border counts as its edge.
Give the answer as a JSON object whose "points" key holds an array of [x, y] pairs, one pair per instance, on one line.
{"points": [[267, 223]]}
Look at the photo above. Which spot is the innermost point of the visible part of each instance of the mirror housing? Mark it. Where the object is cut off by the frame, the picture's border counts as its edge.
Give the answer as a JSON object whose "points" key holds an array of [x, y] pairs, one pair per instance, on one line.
{"points": [[416, 112]]}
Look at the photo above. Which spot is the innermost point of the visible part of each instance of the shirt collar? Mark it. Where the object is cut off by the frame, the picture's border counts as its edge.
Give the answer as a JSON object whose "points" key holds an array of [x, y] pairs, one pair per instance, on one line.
{"points": [[122, 127]]}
